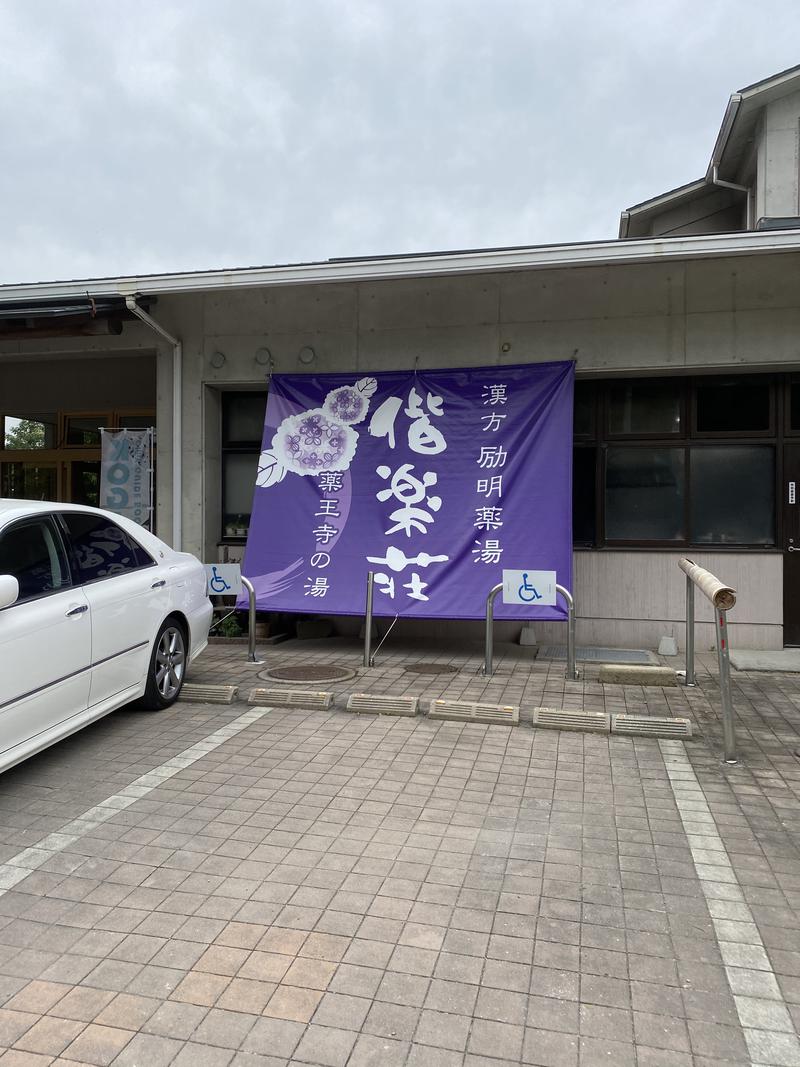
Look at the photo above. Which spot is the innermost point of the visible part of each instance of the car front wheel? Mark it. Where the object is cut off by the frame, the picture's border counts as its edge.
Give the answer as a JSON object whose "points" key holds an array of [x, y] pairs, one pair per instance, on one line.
{"points": [[167, 667]]}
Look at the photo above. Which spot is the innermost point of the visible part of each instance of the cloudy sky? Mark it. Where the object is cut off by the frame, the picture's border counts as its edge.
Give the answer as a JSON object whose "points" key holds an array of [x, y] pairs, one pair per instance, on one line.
{"points": [[167, 135]]}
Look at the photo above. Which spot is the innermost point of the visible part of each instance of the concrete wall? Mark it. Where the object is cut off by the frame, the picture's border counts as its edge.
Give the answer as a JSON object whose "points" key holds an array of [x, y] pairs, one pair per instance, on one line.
{"points": [[716, 211], [106, 382], [778, 159]]}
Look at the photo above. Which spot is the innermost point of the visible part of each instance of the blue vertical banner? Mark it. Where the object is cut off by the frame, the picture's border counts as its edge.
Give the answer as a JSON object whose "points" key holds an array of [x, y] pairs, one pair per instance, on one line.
{"points": [[436, 481]]}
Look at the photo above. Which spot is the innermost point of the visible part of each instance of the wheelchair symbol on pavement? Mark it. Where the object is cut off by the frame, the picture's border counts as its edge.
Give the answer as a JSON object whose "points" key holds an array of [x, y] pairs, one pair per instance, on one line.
{"points": [[219, 585], [527, 592]]}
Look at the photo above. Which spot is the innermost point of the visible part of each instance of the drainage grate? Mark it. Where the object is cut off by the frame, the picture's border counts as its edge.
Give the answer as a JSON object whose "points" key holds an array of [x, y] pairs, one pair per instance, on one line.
{"points": [[291, 698], [600, 655], [371, 704], [464, 711], [430, 668], [197, 693], [308, 672], [649, 726], [562, 719]]}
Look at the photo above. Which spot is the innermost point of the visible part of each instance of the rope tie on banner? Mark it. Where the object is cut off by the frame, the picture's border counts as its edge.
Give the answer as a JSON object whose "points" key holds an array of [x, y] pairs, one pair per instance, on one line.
{"points": [[377, 650]]}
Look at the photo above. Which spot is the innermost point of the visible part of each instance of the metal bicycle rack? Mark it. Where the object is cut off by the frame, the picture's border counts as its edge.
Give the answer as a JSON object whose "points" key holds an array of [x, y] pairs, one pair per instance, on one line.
{"points": [[572, 668], [722, 598]]}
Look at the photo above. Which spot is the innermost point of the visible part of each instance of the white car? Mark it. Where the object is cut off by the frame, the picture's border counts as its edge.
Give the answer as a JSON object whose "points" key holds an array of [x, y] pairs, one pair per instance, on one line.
{"points": [[95, 612]]}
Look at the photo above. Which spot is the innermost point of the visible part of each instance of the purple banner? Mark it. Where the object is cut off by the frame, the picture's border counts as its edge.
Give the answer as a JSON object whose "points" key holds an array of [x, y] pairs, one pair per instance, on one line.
{"points": [[437, 481]]}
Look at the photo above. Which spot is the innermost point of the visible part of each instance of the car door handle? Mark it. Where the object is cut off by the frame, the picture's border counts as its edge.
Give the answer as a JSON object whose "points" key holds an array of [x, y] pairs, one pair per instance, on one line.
{"points": [[159, 585], [79, 610]]}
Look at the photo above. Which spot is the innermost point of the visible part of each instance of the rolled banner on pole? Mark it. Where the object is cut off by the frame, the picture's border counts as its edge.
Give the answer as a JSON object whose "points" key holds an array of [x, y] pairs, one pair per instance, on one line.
{"points": [[722, 596]]}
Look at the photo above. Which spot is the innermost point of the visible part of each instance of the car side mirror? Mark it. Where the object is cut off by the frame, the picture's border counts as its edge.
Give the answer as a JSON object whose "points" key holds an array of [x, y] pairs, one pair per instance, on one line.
{"points": [[9, 590]]}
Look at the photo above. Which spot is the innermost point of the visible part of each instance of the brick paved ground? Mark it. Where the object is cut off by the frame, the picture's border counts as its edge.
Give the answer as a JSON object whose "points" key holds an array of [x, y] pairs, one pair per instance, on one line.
{"points": [[322, 889]]}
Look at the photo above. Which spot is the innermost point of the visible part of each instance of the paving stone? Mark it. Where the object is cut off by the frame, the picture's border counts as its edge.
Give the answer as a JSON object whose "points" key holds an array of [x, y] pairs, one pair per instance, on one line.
{"points": [[325, 1045], [546, 1049], [501, 1040], [149, 1050], [443, 1030], [279, 1036], [98, 1045], [175, 1020], [370, 1051], [49, 1036]]}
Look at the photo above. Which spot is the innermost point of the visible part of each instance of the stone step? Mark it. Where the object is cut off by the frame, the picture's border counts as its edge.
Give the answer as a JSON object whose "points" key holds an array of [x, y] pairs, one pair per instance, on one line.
{"points": [[625, 674]]}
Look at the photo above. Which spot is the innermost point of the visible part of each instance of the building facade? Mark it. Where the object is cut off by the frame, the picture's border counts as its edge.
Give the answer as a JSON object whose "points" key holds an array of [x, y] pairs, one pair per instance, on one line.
{"points": [[685, 334]]}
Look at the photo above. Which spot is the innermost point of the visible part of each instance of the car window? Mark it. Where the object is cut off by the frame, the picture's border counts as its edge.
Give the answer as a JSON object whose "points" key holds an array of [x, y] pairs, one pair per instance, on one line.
{"points": [[102, 549], [32, 551]]}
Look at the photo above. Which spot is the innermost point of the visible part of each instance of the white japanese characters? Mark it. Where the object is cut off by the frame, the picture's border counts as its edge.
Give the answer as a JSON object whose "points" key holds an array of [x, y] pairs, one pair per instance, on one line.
{"points": [[409, 486], [489, 517]]}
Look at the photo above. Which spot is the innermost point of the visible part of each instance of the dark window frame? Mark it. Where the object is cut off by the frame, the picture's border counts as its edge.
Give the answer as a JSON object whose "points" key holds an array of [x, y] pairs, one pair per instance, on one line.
{"points": [[677, 435], [234, 447], [728, 435], [688, 440]]}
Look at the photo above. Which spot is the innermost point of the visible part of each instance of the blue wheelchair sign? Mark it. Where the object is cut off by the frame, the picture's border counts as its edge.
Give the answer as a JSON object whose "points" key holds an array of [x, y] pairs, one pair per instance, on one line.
{"points": [[526, 592], [223, 579], [529, 587]]}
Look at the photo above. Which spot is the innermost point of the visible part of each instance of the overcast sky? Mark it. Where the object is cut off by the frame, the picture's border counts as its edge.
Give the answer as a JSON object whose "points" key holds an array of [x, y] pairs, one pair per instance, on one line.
{"points": [[161, 136]]}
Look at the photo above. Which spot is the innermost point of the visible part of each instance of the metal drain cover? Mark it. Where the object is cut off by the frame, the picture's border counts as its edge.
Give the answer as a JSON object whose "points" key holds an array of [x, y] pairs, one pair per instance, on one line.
{"points": [[430, 668], [308, 672]]}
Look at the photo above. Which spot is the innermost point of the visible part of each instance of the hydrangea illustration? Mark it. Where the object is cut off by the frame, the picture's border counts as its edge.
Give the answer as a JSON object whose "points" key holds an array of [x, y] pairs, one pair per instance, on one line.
{"points": [[347, 404], [321, 439], [313, 442]]}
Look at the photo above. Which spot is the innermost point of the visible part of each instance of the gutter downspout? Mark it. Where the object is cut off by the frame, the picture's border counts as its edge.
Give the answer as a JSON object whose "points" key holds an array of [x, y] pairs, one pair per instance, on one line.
{"points": [[712, 174], [716, 180], [177, 418]]}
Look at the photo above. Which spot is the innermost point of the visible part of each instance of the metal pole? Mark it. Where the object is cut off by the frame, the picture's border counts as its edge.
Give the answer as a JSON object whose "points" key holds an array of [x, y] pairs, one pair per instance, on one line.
{"points": [[251, 622], [368, 620], [487, 664], [689, 632], [728, 729], [572, 666]]}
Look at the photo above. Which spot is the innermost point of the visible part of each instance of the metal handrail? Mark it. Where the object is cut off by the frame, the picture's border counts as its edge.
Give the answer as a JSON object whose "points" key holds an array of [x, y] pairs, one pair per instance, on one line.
{"points": [[722, 598], [368, 658], [572, 667], [251, 621]]}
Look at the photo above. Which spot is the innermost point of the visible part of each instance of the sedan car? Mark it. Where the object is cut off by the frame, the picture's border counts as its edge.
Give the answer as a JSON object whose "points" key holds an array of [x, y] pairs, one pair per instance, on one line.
{"points": [[95, 612]]}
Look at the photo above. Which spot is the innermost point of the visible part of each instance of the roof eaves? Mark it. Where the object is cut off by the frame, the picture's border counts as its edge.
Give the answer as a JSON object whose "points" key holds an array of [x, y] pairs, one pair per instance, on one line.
{"points": [[540, 257], [671, 195]]}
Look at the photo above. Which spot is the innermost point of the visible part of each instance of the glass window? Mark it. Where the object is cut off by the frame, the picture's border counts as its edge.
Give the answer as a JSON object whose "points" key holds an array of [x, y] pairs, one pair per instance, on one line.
{"points": [[136, 422], [83, 431], [733, 405], [29, 481], [238, 479], [102, 549], [794, 406], [645, 407], [84, 480], [30, 431], [583, 417], [733, 495], [644, 494], [33, 553], [583, 495], [243, 418]]}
